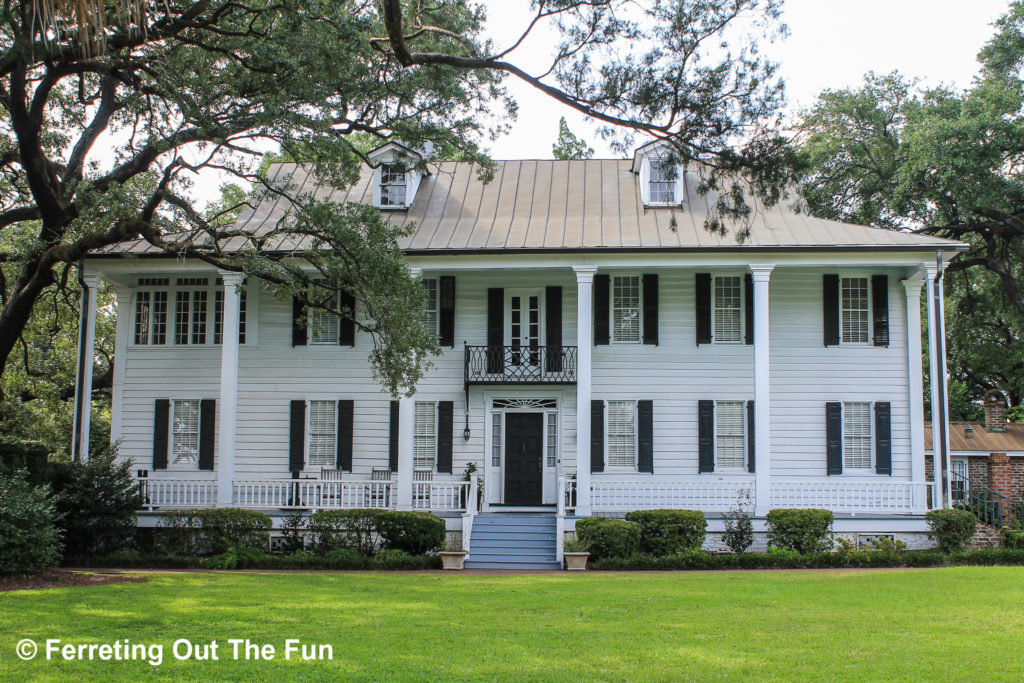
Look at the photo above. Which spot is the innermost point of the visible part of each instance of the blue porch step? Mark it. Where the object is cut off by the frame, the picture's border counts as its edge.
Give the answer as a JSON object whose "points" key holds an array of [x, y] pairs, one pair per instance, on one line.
{"points": [[510, 540]]}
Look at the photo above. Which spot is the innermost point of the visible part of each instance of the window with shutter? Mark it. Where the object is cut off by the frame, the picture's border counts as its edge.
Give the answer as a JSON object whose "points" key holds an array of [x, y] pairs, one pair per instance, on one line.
{"points": [[323, 324], [322, 433], [856, 435], [854, 310], [626, 309], [430, 315], [621, 435], [185, 433], [729, 435], [424, 449], [728, 310]]}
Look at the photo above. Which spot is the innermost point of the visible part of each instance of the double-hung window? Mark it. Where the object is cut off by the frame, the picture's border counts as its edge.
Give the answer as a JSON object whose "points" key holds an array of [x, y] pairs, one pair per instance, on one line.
{"points": [[188, 323], [323, 420], [424, 445], [392, 185], [729, 435], [430, 315], [662, 186], [626, 309], [151, 317], [621, 435], [728, 309], [856, 435], [324, 324], [185, 433], [855, 310]]}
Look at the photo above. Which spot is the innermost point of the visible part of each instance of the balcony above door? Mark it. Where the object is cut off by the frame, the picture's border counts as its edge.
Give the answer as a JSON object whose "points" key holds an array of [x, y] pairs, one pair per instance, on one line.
{"points": [[517, 364]]}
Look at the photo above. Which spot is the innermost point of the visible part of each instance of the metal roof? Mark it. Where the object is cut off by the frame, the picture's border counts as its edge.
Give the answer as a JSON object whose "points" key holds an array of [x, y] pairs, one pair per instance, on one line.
{"points": [[533, 205], [1010, 441]]}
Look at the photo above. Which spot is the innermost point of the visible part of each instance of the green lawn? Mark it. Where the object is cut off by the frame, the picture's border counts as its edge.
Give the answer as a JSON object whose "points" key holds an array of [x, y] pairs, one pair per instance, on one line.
{"points": [[963, 623]]}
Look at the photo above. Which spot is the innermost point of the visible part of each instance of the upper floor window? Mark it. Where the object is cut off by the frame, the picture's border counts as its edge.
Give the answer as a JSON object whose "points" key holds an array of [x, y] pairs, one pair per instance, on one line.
{"points": [[323, 417], [392, 185], [323, 325], [662, 186], [728, 309], [729, 436], [626, 308], [857, 435], [430, 315], [855, 310], [622, 434], [193, 310]]}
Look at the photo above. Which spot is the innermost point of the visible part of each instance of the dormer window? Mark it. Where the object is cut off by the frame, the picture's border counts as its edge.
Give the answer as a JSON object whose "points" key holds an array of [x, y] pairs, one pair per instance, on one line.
{"points": [[392, 185], [662, 187]]}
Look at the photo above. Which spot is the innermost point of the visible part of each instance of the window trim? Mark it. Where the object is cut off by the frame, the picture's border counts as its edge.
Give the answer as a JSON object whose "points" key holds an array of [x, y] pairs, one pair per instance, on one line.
{"points": [[744, 437], [435, 329], [311, 328], [636, 436], [869, 341], [659, 160], [740, 311], [310, 465], [172, 463], [171, 314], [870, 469], [639, 310], [381, 185], [433, 464]]}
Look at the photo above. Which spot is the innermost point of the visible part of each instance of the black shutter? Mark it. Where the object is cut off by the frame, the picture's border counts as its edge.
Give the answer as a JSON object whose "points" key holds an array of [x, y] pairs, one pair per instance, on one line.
{"points": [[161, 425], [446, 313], [347, 324], [650, 295], [880, 309], [445, 426], [883, 437], [495, 330], [207, 432], [705, 436], [346, 415], [596, 436], [298, 323], [748, 312], [702, 291], [297, 437], [393, 438], [834, 437], [750, 436], [602, 309], [830, 312], [645, 436], [553, 321]]}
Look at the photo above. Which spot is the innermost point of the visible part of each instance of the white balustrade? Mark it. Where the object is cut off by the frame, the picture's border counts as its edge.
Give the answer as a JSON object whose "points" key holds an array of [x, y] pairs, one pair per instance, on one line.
{"points": [[184, 493], [690, 494], [440, 496], [317, 494], [852, 496]]}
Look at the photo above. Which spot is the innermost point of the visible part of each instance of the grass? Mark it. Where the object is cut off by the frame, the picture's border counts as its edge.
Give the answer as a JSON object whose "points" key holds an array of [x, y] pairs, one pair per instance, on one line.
{"points": [[962, 623]]}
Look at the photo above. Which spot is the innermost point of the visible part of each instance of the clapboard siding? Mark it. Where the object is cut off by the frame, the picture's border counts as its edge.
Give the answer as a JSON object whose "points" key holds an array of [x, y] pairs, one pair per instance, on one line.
{"points": [[675, 375]]}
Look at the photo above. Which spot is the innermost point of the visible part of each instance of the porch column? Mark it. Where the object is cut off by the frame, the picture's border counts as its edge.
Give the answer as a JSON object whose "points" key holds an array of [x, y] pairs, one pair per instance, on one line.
{"points": [[406, 408], [761, 274], [86, 362], [584, 348], [937, 378], [228, 389], [916, 384], [123, 297]]}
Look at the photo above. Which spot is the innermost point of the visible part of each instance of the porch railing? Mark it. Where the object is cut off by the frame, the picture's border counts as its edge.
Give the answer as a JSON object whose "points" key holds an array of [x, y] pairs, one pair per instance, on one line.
{"points": [[183, 493], [987, 505], [851, 496], [313, 494], [690, 494], [440, 496], [517, 364]]}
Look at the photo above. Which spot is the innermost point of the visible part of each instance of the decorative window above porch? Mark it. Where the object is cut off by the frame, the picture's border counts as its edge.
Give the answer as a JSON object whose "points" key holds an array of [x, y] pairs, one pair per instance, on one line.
{"points": [[626, 309], [194, 307]]}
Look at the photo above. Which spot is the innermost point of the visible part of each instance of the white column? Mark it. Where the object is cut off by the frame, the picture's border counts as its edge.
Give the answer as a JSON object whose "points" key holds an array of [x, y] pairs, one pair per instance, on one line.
{"points": [[86, 363], [228, 389], [761, 274], [123, 296], [584, 348], [944, 378], [916, 383], [406, 414], [931, 270]]}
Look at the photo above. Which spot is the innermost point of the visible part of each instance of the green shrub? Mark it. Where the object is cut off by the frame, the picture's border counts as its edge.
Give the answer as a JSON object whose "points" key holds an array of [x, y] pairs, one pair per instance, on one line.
{"points": [[665, 532], [293, 532], [30, 539], [415, 533], [354, 529], [18, 454], [398, 560], [800, 530], [236, 557], [345, 558], [739, 526], [952, 528], [609, 537], [97, 501], [212, 531], [1013, 539]]}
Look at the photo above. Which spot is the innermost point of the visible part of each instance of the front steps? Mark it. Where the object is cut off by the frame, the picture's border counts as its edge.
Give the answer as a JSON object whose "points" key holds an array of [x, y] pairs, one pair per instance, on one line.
{"points": [[513, 540]]}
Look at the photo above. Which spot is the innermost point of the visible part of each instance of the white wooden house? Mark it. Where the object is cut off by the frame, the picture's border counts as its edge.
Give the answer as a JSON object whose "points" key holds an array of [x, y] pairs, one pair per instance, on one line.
{"points": [[603, 352]]}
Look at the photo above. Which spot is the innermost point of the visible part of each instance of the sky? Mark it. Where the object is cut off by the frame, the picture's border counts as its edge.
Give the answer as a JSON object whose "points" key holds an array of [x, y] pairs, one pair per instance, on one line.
{"points": [[831, 45]]}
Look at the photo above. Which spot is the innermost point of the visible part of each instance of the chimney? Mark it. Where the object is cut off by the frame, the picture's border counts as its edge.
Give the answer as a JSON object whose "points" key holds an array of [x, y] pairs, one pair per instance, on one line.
{"points": [[995, 411]]}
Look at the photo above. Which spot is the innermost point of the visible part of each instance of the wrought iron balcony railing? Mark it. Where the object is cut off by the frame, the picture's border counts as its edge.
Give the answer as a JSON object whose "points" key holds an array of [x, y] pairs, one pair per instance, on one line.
{"points": [[520, 364]]}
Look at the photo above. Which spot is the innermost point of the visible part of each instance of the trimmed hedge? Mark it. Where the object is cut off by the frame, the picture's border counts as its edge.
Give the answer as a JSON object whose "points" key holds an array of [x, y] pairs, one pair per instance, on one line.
{"points": [[30, 538], [664, 532], [412, 533], [800, 530], [859, 559], [1013, 539], [351, 529], [952, 528], [211, 531], [342, 559], [607, 537]]}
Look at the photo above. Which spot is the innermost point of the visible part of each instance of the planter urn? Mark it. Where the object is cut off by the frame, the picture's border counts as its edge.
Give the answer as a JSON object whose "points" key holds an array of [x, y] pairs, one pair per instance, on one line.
{"points": [[576, 562], [453, 559]]}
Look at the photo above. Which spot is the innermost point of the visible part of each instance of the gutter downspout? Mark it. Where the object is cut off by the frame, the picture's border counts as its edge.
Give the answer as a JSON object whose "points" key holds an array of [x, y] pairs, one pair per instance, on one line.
{"points": [[80, 401], [940, 412]]}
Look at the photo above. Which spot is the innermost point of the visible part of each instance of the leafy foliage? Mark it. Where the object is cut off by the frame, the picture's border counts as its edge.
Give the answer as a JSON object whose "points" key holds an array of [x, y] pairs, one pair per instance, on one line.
{"points": [[568, 146], [739, 525], [800, 530], [664, 532], [415, 533], [30, 539], [1013, 539], [952, 528], [349, 529], [212, 531], [609, 537]]}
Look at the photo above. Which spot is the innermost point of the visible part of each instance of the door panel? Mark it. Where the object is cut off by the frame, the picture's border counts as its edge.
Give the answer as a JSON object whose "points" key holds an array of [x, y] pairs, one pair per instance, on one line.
{"points": [[524, 433]]}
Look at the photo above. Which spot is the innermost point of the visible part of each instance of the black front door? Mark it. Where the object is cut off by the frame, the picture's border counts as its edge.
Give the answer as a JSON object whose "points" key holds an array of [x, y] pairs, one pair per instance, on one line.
{"points": [[524, 436]]}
